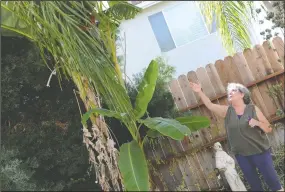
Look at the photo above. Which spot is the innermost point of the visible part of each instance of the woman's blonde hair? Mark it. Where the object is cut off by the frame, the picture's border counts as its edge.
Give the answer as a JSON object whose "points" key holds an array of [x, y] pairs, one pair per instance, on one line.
{"points": [[242, 89]]}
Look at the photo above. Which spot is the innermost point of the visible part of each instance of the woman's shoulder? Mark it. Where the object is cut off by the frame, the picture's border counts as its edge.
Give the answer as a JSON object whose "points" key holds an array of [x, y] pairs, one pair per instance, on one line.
{"points": [[251, 105]]}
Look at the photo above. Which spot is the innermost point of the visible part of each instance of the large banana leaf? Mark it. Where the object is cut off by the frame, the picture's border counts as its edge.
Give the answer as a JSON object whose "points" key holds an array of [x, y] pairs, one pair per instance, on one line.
{"points": [[133, 167], [167, 127], [194, 123], [153, 133], [104, 112], [146, 89]]}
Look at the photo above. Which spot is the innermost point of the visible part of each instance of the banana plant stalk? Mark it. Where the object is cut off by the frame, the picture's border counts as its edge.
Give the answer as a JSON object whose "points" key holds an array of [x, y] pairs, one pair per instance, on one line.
{"points": [[132, 160]]}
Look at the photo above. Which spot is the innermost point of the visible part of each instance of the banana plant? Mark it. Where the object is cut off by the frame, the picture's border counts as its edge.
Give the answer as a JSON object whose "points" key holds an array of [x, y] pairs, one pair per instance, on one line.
{"points": [[132, 160]]}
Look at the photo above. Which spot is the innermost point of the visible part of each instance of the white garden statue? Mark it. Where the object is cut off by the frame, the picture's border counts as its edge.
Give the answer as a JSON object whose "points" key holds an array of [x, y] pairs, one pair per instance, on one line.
{"points": [[226, 163]]}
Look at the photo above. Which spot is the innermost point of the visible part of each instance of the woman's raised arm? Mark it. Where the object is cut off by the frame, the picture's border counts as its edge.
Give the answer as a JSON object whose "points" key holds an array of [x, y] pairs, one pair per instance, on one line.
{"points": [[220, 110]]}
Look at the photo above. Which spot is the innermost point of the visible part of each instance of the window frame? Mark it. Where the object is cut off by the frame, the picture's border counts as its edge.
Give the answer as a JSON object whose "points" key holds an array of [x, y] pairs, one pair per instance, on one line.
{"points": [[169, 28]]}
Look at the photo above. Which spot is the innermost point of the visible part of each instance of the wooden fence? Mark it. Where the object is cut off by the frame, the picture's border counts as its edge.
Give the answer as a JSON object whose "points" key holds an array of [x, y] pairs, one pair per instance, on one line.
{"points": [[189, 164]]}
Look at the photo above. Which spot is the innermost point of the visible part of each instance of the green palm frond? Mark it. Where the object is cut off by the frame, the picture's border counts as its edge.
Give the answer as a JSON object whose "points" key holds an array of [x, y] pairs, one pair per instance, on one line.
{"points": [[121, 10], [109, 23], [55, 26], [233, 20]]}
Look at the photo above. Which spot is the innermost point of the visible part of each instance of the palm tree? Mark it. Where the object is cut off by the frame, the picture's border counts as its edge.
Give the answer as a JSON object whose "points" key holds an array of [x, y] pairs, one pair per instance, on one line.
{"points": [[233, 19], [84, 53]]}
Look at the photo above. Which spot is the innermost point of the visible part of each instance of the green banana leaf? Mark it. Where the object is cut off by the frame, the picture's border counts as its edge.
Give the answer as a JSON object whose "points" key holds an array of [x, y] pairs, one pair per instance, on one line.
{"points": [[146, 89], [194, 123], [104, 112], [153, 133], [167, 127], [133, 166]]}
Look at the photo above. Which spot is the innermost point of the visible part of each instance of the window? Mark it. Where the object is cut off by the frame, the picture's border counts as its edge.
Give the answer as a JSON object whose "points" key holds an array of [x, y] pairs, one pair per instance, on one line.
{"points": [[179, 25], [161, 32]]}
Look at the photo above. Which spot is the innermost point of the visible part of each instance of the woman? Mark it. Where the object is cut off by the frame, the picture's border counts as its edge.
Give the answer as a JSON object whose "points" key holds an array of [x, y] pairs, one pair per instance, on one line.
{"points": [[246, 128]]}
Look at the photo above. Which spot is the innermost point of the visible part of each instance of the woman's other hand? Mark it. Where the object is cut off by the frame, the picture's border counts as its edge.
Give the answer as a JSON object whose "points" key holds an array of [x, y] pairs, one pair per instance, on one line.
{"points": [[253, 122]]}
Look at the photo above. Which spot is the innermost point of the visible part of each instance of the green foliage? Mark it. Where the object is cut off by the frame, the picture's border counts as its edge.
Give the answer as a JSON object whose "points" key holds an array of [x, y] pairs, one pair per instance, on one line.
{"points": [[64, 30], [120, 10], [277, 92], [152, 133], [194, 123], [233, 19], [162, 103], [103, 112], [55, 27], [14, 173], [133, 166], [167, 127], [146, 89], [41, 123], [275, 14]]}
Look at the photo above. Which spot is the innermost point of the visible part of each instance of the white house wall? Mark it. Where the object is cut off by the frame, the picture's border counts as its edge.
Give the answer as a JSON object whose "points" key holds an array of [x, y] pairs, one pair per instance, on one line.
{"points": [[142, 47]]}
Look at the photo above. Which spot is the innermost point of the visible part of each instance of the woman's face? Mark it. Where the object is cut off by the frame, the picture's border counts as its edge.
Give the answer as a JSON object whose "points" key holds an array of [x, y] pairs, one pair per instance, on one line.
{"points": [[235, 95]]}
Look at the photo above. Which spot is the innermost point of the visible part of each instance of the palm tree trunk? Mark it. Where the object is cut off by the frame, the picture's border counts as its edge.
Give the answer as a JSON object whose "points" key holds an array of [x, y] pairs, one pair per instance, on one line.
{"points": [[99, 143]]}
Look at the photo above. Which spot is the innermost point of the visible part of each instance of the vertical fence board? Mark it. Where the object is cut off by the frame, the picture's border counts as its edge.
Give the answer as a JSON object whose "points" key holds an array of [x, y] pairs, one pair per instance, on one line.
{"points": [[263, 57], [191, 100], [243, 68], [207, 87], [169, 175], [234, 74], [194, 139], [279, 46], [187, 91], [255, 63], [258, 67], [202, 177], [269, 102], [215, 79], [220, 121], [148, 153], [219, 88], [280, 131], [192, 77], [208, 164], [204, 133], [156, 181], [187, 174], [273, 139], [205, 82], [272, 56], [281, 79], [210, 92], [258, 100], [223, 69], [177, 94]]}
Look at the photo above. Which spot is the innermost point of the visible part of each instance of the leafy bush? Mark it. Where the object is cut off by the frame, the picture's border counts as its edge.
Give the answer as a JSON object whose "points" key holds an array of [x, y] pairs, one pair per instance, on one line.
{"points": [[14, 173], [162, 103], [41, 123]]}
